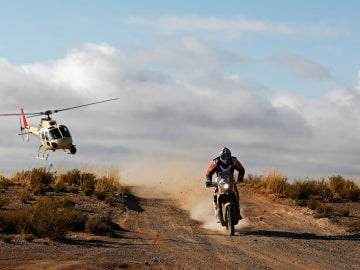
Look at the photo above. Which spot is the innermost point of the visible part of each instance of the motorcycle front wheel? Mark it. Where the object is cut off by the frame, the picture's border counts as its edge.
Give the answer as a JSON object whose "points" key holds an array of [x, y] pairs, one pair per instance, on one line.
{"points": [[230, 220]]}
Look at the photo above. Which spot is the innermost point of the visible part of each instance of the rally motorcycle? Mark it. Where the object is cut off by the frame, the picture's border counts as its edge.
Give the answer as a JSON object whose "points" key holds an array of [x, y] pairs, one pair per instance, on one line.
{"points": [[227, 200]]}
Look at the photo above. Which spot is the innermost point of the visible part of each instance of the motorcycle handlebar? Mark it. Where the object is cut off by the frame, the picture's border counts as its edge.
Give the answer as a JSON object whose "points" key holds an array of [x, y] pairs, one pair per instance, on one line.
{"points": [[214, 184], [210, 184]]}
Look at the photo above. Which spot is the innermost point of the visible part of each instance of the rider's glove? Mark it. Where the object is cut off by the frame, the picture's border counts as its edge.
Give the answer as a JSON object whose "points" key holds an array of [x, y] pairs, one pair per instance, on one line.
{"points": [[208, 184]]}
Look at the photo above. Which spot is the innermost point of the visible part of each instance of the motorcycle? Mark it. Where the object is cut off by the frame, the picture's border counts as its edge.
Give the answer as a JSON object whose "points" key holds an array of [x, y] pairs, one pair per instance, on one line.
{"points": [[227, 200]]}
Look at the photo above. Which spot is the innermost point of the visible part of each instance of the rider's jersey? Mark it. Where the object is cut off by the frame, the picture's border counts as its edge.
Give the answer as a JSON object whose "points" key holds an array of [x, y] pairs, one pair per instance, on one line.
{"points": [[218, 166]]}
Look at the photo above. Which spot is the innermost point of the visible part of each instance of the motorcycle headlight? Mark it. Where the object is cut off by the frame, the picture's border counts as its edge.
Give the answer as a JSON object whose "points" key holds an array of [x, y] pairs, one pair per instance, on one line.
{"points": [[226, 186]]}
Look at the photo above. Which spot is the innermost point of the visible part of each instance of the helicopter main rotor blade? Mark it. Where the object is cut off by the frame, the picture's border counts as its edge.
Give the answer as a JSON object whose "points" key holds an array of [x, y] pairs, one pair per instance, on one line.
{"points": [[49, 112], [19, 114], [93, 103], [10, 114]]}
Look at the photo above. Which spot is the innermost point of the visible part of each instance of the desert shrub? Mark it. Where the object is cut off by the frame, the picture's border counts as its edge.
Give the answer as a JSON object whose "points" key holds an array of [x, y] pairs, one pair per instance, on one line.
{"points": [[88, 187], [74, 190], [353, 227], [110, 199], [108, 184], [87, 183], [275, 182], [5, 183], [343, 212], [60, 186], [109, 181], [40, 179], [25, 196], [312, 203], [29, 237], [3, 201], [14, 221], [353, 194], [344, 188], [6, 238], [253, 180], [337, 184], [46, 219], [100, 195], [21, 178], [272, 182], [67, 203], [99, 225], [71, 178], [323, 210], [50, 219], [301, 202], [304, 190]]}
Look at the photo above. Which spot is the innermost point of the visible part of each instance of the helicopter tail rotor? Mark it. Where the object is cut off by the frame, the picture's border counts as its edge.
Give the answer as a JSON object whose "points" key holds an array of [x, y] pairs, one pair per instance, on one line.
{"points": [[24, 118], [22, 128]]}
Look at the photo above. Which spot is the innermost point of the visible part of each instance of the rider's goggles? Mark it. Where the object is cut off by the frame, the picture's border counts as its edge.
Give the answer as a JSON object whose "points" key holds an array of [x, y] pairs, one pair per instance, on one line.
{"points": [[225, 156]]}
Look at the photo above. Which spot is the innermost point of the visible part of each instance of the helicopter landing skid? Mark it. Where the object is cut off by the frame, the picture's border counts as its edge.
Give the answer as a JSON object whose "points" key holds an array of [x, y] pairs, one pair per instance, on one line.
{"points": [[41, 154], [67, 151]]}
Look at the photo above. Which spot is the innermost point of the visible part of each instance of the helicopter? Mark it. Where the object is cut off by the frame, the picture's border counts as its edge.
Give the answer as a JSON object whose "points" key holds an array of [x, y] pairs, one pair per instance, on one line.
{"points": [[52, 136]]}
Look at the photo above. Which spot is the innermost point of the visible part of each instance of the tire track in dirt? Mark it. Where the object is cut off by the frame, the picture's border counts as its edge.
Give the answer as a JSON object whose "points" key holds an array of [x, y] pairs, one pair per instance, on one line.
{"points": [[273, 235], [158, 234]]}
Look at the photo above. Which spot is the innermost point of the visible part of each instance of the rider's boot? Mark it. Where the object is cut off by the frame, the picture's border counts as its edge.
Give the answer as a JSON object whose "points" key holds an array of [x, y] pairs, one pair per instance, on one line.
{"points": [[239, 214], [240, 217], [217, 212]]}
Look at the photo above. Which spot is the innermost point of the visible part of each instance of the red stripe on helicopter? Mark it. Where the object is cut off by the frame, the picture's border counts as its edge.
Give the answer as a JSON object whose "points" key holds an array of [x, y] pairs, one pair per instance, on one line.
{"points": [[24, 118]]}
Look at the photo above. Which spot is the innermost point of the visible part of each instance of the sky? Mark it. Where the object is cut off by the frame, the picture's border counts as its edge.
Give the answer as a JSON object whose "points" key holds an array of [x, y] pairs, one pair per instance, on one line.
{"points": [[277, 82]]}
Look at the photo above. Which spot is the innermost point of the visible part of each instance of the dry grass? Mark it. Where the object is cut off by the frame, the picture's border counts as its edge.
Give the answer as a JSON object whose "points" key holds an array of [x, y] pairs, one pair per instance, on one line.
{"points": [[100, 225], [335, 188], [353, 227], [5, 183], [305, 190], [344, 188], [46, 216], [50, 219], [273, 182], [317, 195]]}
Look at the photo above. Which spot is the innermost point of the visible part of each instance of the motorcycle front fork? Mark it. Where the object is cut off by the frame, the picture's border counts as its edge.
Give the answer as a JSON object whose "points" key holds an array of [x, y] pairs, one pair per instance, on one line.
{"points": [[216, 207]]}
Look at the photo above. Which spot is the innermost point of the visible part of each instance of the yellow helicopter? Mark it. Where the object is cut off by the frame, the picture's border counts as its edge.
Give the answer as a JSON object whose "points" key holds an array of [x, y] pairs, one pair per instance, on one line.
{"points": [[52, 135]]}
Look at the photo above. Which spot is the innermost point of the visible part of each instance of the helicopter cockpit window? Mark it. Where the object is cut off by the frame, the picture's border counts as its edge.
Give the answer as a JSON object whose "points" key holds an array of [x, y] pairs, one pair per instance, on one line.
{"points": [[64, 131], [55, 134]]}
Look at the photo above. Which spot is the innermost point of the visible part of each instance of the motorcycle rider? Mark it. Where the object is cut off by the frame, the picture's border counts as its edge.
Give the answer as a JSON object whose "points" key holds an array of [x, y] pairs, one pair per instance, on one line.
{"points": [[223, 163]]}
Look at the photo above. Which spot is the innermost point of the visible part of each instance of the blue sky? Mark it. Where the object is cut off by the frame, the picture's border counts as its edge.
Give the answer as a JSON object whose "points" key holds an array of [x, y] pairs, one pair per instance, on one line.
{"points": [[325, 32], [276, 81]]}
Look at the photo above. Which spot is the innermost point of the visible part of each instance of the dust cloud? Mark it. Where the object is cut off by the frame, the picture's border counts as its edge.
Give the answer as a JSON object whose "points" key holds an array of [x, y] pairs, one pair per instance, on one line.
{"points": [[180, 181]]}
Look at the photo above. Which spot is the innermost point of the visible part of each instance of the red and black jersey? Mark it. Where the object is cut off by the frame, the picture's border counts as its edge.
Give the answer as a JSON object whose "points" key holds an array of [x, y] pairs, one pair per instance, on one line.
{"points": [[217, 166]]}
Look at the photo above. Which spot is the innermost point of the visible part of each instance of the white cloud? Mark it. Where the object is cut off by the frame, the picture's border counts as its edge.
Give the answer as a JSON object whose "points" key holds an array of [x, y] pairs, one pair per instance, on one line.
{"points": [[170, 114], [188, 54], [341, 97], [236, 25], [213, 24], [301, 66]]}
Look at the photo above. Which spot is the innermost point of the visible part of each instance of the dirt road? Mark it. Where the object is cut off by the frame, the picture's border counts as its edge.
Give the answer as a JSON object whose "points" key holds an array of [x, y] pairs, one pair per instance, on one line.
{"points": [[161, 235]]}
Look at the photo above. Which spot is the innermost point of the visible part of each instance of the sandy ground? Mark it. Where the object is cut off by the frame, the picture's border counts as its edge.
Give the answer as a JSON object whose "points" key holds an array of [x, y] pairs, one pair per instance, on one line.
{"points": [[178, 231]]}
